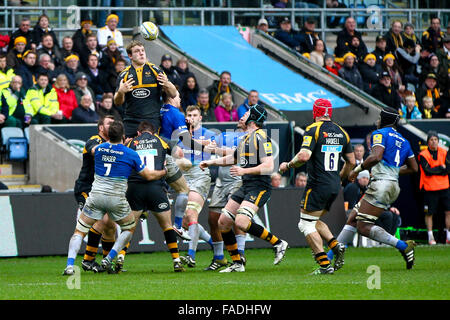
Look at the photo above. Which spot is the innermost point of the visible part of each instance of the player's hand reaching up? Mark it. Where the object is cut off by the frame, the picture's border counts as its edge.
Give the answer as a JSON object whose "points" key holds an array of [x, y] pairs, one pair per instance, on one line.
{"points": [[162, 79]]}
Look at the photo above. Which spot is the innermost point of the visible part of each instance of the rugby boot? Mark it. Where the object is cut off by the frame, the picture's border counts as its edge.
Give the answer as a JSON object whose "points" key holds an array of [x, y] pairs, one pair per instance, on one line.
{"points": [[188, 260], [178, 266], [89, 265], [234, 267], [183, 234], [339, 252], [408, 253], [216, 264], [280, 251], [68, 271], [327, 270]]}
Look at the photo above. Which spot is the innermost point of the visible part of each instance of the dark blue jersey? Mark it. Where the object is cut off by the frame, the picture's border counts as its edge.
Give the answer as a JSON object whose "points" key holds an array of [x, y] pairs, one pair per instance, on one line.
{"points": [[172, 120]]}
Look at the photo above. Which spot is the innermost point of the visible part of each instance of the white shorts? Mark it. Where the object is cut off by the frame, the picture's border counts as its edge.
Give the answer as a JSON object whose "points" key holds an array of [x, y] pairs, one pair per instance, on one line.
{"points": [[382, 193], [98, 204]]}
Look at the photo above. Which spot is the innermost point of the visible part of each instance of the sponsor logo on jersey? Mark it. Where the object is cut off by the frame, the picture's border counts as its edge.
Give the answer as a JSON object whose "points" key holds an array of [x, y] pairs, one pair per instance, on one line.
{"points": [[163, 205], [377, 138], [326, 148], [268, 147], [141, 93], [243, 161], [306, 141]]}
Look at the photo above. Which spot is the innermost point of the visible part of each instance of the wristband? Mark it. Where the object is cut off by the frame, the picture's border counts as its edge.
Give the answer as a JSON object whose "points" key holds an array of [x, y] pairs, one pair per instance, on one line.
{"points": [[289, 165]]}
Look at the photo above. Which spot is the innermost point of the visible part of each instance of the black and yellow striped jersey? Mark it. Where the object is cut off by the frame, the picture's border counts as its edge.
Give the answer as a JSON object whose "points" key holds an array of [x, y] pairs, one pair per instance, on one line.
{"points": [[327, 142], [144, 101], [252, 148], [86, 176], [152, 150]]}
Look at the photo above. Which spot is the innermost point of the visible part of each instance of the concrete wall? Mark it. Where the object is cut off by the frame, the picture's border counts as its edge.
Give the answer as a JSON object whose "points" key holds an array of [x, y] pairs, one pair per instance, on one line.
{"points": [[52, 162]]}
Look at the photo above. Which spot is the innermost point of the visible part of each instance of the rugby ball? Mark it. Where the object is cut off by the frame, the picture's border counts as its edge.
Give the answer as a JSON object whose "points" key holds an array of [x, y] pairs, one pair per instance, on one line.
{"points": [[149, 31]]}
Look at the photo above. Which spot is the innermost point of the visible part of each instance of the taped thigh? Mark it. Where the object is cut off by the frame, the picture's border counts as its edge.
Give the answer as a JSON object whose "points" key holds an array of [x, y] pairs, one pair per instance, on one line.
{"points": [[128, 224], [246, 211], [83, 226], [228, 214], [192, 205], [367, 218], [307, 224]]}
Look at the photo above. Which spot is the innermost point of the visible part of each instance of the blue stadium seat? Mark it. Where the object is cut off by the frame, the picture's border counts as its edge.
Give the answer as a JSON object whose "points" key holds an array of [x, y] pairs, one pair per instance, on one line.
{"points": [[27, 133], [14, 144]]}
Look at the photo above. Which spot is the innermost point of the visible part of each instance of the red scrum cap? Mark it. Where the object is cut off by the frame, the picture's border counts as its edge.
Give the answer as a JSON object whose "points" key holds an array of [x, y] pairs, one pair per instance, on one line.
{"points": [[322, 108]]}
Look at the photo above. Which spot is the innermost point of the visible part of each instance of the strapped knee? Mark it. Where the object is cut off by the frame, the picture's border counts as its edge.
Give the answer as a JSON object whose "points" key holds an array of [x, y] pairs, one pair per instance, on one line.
{"points": [[246, 211], [128, 225], [307, 224], [192, 205], [228, 214], [367, 218], [83, 226]]}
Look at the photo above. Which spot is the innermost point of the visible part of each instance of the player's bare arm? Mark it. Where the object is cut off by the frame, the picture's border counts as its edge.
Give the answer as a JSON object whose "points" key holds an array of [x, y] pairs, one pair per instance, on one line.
{"points": [[168, 86], [152, 174], [222, 162], [300, 159], [349, 164], [375, 156], [410, 167]]}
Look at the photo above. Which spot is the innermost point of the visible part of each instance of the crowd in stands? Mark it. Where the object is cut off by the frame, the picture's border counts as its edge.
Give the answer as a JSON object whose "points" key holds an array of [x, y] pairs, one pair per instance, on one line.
{"points": [[404, 70]]}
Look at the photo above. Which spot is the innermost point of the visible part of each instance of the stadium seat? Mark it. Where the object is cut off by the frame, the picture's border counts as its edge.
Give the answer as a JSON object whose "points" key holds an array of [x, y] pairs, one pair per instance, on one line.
{"points": [[27, 133], [14, 144]]}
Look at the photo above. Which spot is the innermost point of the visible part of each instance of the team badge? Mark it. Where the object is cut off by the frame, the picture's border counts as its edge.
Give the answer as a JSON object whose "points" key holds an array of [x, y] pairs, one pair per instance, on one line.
{"points": [[306, 141], [377, 138]]}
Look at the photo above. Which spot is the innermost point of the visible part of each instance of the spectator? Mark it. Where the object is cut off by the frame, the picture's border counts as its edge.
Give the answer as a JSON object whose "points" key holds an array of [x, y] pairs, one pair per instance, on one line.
{"points": [[430, 89], [119, 66], [308, 36], [49, 47], [226, 110], [252, 99], [287, 35], [370, 72], [349, 72], [110, 55], [330, 65], [47, 67], [432, 37], [409, 110], [435, 67], [42, 28], [300, 179], [66, 97], [408, 57], [204, 105], [97, 78], [434, 165], [354, 191], [82, 88], [358, 49], [344, 38], [41, 102], [275, 180], [4, 41], [110, 31], [6, 73], [263, 25], [102, 18], [71, 68], [14, 56], [182, 68], [332, 20], [408, 33], [23, 31], [28, 69], [394, 37], [443, 54], [67, 47], [359, 152], [318, 54], [80, 36], [428, 110], [106, 108], [11, 101], [219, 87], [189, 92], [91, 47], [380, 49], [170, 70], [385, 92], [390, 65], [84, 114]]}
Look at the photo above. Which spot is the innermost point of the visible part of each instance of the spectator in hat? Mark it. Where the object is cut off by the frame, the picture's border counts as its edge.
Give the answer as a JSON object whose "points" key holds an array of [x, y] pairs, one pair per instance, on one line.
{"points": [[67, 47], [370, 72], [14, 56], [308, 36], [385, 92], [263, 25], [218, 87], [410, 110], [80, 36], [48, 46], [394, 37], [344, 38], [433, 36], [103, 19], [390, 65], [70, 68], [354, 191], [286, 34], [330, 64], [408, 57], [182, 68], [318, 54], [437, 69], [84, 114], [23, 31], [380, 49], [170, 70], [350, 72], [82, 88], [42, 28], [408, 33], [429, 88], [28, 69], [110, 31]]}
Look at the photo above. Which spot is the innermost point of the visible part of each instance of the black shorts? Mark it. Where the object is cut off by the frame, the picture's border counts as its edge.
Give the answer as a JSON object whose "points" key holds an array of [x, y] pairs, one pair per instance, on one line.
{"points": [[131, 126], [432, 199], [258, 195], [147, 196], [317, 198]]}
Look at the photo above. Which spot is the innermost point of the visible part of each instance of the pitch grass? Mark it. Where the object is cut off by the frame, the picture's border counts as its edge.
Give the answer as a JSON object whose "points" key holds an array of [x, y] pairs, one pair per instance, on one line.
{"points": [[150, 276]]}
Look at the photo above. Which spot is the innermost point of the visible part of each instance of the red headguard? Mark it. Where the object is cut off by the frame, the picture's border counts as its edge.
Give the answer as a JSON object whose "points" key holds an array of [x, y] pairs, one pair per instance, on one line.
{"points": [[322, 108]]}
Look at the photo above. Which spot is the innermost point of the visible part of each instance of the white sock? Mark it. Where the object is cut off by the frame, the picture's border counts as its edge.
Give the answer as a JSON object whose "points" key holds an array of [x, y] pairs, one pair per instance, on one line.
{"points": [[194, 233], [218, 249], [430, 236], [74, 246], [203, 234], [121, 242], [448, 234], [179, 208], [240, 239], [379, 234], [347, 234]]}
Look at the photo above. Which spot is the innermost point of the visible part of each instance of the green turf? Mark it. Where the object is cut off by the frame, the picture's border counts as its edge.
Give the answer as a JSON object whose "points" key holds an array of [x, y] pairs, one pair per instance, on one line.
{"points": [[150, 276]]}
